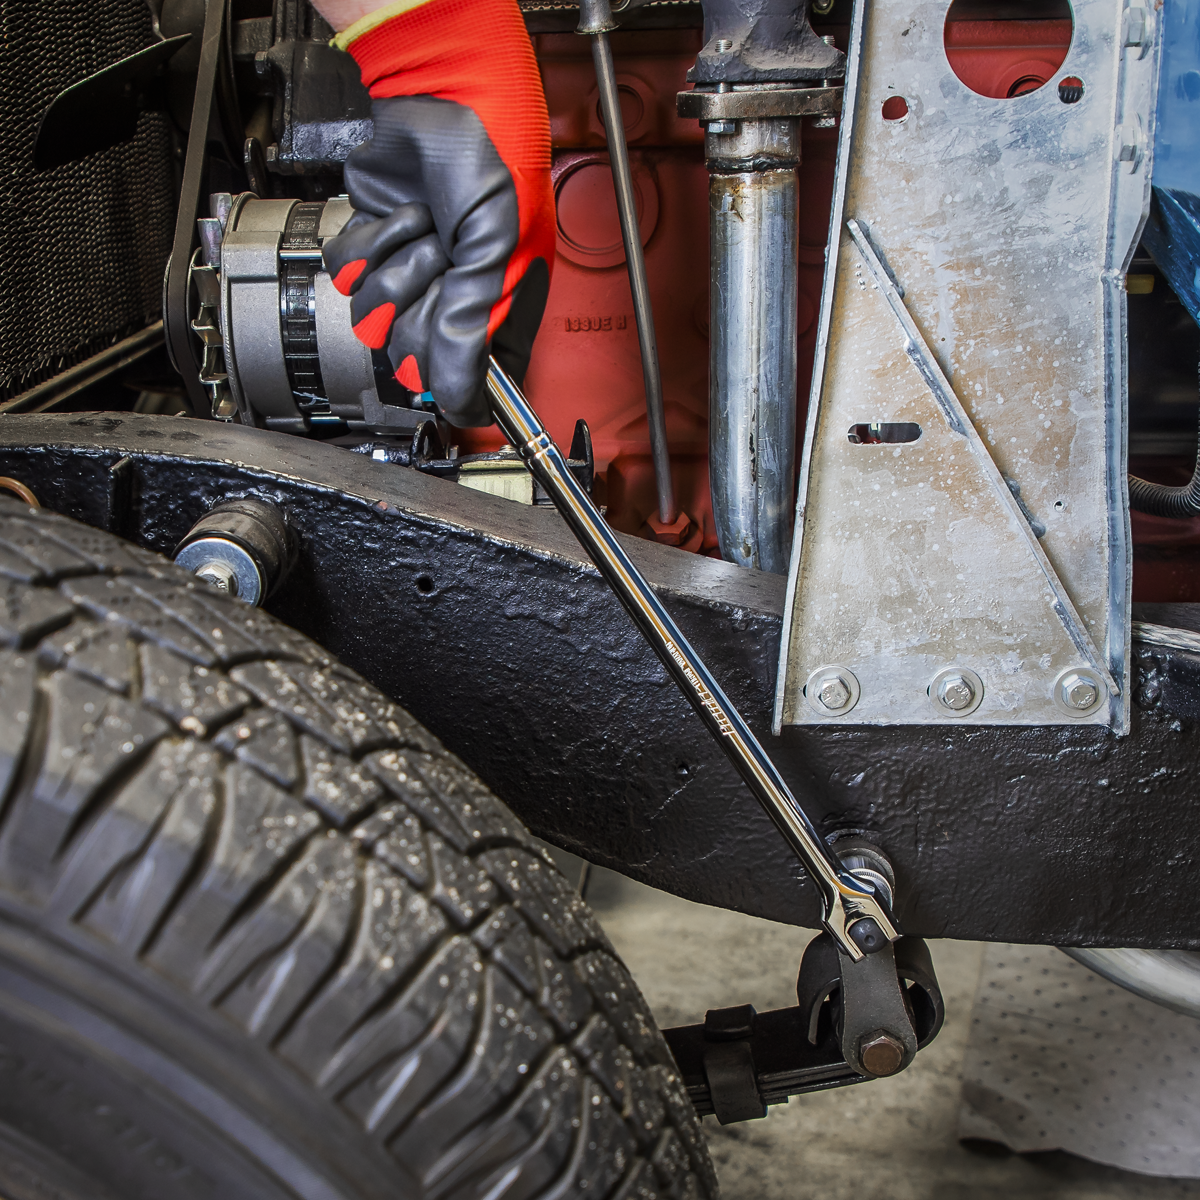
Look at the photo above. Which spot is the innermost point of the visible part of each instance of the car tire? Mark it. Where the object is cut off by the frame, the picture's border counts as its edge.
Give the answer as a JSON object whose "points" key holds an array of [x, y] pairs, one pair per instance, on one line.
{"points": [[261, 935]]}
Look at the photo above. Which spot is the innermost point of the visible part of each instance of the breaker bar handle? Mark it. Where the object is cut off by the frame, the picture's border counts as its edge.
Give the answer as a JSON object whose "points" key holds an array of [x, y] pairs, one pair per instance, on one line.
{"points": [[855, 915]]}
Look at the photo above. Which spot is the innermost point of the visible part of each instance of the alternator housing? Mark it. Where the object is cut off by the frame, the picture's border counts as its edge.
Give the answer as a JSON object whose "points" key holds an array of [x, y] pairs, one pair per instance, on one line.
{"points": [[293, 361]]}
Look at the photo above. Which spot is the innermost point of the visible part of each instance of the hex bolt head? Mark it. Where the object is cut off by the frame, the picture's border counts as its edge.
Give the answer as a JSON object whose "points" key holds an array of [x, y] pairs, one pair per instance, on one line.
{"points": [[832, 690], [956, 692], [220, 576], [1079, 692], [834, 694], [881, 1053]]}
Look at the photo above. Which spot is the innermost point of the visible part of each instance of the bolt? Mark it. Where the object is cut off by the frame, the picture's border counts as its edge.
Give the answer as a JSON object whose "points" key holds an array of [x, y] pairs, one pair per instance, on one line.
{"points": [[219, 206], [956, 693], [722, 45], [1079, 692], [880, 1053], [831, 690], [825, 122], [833, 693], [1134, 32], [210, 241], [218, 575]]}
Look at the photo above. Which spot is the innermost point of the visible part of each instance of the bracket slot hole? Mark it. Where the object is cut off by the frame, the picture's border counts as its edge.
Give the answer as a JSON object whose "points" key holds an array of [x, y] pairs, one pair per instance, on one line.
{"points": [[883, 433]]}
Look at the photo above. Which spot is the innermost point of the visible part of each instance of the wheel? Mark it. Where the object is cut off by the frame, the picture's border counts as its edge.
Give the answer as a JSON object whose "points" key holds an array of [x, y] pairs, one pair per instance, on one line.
{"points": [[262, 936]]}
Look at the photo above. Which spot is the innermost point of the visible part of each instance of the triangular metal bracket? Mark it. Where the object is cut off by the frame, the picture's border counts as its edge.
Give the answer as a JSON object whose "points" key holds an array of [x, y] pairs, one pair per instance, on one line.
{"points": [[960, 424]]}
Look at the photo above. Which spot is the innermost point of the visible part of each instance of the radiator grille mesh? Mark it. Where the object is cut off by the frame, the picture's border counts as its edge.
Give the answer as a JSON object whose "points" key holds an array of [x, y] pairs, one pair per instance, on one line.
{"points": [[82, 246]]}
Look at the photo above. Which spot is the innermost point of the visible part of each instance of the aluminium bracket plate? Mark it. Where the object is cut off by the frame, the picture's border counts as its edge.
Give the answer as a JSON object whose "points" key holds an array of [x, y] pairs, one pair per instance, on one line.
{"points": [[961, 549]]}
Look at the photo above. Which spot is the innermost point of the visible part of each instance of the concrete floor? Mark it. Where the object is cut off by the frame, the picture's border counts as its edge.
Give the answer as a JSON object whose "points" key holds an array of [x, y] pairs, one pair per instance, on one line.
{"points": [[893, 1139]]}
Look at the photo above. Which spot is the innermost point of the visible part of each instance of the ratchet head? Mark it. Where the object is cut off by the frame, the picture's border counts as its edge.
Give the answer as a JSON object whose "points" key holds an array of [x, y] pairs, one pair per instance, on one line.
{"points": [[859, 912], [856, 883], [858, 918]]}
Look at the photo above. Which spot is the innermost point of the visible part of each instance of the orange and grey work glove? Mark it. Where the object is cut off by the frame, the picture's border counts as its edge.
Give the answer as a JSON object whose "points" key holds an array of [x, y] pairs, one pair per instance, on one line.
{"points": [[449, 251]]}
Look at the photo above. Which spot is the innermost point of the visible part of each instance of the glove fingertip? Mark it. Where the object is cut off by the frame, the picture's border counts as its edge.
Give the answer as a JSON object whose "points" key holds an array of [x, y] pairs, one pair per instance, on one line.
{"points": [[348, 276], [408, 375], [373, 329]]}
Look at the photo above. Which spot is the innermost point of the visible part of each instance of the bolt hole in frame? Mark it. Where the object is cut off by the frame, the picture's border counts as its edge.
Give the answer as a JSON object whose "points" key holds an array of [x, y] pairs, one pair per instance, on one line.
{"points": [[975, 30], [883, 433], [425, 584], [1070, 89]]}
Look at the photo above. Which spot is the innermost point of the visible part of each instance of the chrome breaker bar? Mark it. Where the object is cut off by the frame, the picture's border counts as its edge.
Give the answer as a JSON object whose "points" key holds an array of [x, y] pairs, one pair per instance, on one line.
{"points": [[855, 915]]}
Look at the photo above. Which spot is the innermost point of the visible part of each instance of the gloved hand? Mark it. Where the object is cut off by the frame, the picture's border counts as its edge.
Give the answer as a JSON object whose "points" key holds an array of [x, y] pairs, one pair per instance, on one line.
{"points": [[448, 254]]}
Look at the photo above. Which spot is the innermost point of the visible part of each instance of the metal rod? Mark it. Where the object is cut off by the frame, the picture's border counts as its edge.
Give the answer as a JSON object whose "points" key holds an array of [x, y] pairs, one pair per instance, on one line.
{"points": [[855, 916], [74, 379], [618, 153]]}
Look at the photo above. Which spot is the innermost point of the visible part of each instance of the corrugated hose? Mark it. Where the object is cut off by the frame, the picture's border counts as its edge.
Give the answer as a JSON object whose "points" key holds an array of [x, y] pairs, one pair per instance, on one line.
{"points": [[1159, 500]]}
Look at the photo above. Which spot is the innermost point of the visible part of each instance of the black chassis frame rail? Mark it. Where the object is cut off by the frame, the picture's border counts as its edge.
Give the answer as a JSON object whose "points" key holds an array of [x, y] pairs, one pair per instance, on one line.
{"points": [[483, 618]]}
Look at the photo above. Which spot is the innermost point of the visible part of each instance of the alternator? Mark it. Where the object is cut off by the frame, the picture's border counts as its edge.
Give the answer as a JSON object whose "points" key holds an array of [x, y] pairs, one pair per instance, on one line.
{"points": [[280, 350], [292, 362]]}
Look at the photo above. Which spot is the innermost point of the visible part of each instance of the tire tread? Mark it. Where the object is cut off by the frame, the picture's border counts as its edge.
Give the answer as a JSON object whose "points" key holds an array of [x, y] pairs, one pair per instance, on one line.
{"points": [[220, 802]]}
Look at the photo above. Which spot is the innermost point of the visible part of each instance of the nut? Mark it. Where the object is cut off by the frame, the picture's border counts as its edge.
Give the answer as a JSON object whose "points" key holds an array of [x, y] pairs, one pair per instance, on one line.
{"points": [[834, 694], [880, 1053], [1079, 692], [220, 576], [1132, 148], [956, 692]]}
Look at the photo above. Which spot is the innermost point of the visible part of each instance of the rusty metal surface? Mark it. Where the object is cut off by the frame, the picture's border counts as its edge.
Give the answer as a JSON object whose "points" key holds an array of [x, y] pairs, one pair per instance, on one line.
{"points": [[1006, 226]]}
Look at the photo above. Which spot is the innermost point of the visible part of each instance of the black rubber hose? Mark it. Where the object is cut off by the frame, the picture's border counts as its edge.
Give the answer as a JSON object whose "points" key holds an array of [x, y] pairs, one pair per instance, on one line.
{"points": [[1161, 501]]}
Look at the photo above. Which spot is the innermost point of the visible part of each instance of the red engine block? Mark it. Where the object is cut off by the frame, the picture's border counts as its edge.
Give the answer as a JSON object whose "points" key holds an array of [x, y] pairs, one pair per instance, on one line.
{"points": [[586, 362]]}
